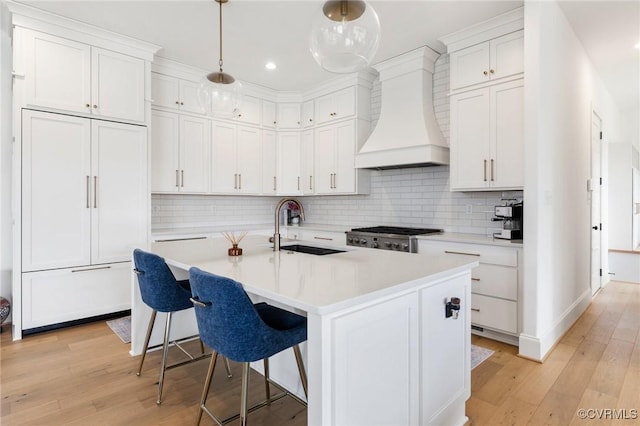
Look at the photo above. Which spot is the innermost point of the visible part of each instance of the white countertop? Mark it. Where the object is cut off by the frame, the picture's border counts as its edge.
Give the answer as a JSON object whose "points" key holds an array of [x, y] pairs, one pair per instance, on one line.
{"points": [[455, 237], [316, 284]]}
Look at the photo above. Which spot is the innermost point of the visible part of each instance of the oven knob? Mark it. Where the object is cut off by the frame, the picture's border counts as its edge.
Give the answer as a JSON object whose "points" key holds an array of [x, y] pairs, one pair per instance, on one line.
{"points": [[349, 240], [374, 245], [387, 244], [396, 245], [363, 241], [356, 240], [405, 247]]}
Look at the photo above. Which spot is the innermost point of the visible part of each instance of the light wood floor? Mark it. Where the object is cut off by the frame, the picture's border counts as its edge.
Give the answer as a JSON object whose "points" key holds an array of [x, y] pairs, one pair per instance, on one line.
{"points": [[84, 376]]}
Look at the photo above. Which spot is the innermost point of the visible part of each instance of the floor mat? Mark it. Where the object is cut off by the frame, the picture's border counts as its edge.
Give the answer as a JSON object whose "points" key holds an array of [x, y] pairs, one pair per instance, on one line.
{"points": [[478, 355], [122, 328]]}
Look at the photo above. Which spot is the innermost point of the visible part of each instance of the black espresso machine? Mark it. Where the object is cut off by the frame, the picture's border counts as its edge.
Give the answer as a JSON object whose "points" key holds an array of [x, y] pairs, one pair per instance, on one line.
{"points": [[510, 215]]}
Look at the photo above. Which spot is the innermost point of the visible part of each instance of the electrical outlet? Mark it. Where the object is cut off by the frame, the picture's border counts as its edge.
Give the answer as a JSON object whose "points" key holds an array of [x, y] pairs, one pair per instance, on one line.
{"points": [[469, 208]]}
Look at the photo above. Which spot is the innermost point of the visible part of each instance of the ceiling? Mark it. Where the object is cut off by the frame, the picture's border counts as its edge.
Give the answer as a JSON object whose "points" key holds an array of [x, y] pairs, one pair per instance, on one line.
{"points": [[257, 31]]}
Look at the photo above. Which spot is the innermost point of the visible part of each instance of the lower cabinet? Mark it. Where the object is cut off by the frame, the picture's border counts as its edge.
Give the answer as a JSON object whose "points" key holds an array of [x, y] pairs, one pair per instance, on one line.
{"points": [[494, 286], [60, 295], [329, 238]]}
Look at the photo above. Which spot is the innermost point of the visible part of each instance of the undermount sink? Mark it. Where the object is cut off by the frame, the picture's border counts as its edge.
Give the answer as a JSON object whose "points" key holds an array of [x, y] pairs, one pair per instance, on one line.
{"points": [[320, 251]]}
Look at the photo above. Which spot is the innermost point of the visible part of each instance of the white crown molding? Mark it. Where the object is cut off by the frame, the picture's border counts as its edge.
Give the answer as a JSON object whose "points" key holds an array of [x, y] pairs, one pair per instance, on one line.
{"points": [[46, 22], [486, 30]]}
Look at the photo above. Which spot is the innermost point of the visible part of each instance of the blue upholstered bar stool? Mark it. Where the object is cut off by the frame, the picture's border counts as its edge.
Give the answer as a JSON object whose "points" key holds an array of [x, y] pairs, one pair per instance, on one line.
{"points": [[233, 326], [163, 293]]}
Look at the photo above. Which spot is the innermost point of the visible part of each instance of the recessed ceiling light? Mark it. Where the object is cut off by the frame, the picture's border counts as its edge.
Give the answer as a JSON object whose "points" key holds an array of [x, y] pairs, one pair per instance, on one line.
{"points": [[270, 66]]}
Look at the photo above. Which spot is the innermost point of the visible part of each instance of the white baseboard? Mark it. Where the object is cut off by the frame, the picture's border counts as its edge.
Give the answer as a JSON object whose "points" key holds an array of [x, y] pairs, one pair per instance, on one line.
{"points": [[537, 348]]}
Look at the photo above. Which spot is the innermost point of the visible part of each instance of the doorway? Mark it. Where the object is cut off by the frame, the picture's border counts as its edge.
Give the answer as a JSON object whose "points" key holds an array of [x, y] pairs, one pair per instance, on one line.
{"points": [[596, 203]]}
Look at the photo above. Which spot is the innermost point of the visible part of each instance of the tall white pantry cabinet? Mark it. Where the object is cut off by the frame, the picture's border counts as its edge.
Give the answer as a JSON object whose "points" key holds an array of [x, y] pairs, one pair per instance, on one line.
{"points": [[81, 177]]}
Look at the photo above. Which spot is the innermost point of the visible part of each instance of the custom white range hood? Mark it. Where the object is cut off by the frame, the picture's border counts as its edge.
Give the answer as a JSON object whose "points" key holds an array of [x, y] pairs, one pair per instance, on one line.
{"points": [[407, 133]]}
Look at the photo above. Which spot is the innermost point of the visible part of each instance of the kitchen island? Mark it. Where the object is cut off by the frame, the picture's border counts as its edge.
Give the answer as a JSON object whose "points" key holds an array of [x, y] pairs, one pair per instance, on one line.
{"points": [[380, 348]]}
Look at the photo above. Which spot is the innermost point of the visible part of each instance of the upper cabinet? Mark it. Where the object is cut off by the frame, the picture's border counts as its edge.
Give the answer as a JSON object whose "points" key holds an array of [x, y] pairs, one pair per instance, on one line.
{"points": [[491, 60], [250, 110], [176, 93], [336, 105], [308, 113], [289, 116], [269, 115], [67, 75]]}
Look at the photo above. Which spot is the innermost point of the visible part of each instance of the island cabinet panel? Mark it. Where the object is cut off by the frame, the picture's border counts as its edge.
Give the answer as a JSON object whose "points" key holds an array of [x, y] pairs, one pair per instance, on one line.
{"points": [[377, 345]]}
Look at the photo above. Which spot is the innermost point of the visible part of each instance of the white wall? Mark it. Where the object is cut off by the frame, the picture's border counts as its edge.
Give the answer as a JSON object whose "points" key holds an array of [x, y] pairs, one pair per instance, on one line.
{"points": [[5, 154], [561, 89]]}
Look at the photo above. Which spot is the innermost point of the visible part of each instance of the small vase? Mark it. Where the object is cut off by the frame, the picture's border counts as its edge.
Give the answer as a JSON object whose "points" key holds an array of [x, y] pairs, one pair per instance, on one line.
{"points": [[235, 251]]}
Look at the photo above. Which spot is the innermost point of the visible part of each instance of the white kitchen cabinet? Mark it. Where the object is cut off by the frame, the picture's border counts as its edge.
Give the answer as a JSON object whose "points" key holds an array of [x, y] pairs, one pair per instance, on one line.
{"points": [[60, 295], [66, 75], [308, 167], [250, 110], [336, 106], [334, 154], [289, 116], [237, 159], [324, 238], [494, 286], [491, 60], [176, 93], [180, 153], [84, 190], [487, 138], [308, 113], [289, 163], [269, 114], [269, 162], [84, 206]]}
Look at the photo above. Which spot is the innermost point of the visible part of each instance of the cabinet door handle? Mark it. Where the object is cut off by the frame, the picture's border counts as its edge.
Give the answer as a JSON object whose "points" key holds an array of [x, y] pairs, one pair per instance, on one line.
{"points": [[310, 183], [298, 183], [274, 183], [91, 269], [95, 192], [88, 191], [492, 71], [177, 178], [475, 309], [475, 279], [485, 72], [323, 238], [461, 252], [235, 181], [177, 102], [182, 178], [87, 105], [239, 180], [484, 170], [492, 170]]}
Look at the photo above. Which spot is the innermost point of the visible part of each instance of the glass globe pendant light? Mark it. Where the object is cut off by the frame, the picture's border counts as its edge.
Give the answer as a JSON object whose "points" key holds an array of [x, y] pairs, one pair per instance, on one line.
{"points": [[345, 36], [219, 93]]}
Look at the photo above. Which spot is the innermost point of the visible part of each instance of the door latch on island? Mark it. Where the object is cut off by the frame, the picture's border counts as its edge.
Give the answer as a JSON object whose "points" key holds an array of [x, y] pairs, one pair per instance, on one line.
{"points": [[452, 308]]}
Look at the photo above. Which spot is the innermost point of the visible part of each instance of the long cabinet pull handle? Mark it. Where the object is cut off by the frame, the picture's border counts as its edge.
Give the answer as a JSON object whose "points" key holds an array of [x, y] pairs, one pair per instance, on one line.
{"points": [[323, 238], [177, 178], [182, 178], [88, 190], [91, 269], [298, 183], [492, 170], [475, 309], [461, 252], [95, 192], [484, 170], [335, 185], [239, 180], [310, 183], [475, 279], [274, 183], [235, 181]]}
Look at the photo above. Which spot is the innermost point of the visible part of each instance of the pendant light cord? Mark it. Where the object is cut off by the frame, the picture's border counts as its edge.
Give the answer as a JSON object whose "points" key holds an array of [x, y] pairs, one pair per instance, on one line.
{"points": [[220, 60]]}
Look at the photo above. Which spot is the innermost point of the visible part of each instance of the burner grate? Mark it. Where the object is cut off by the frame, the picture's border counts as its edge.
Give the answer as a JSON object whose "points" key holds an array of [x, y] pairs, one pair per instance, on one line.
{"points": [[397, 230]]}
